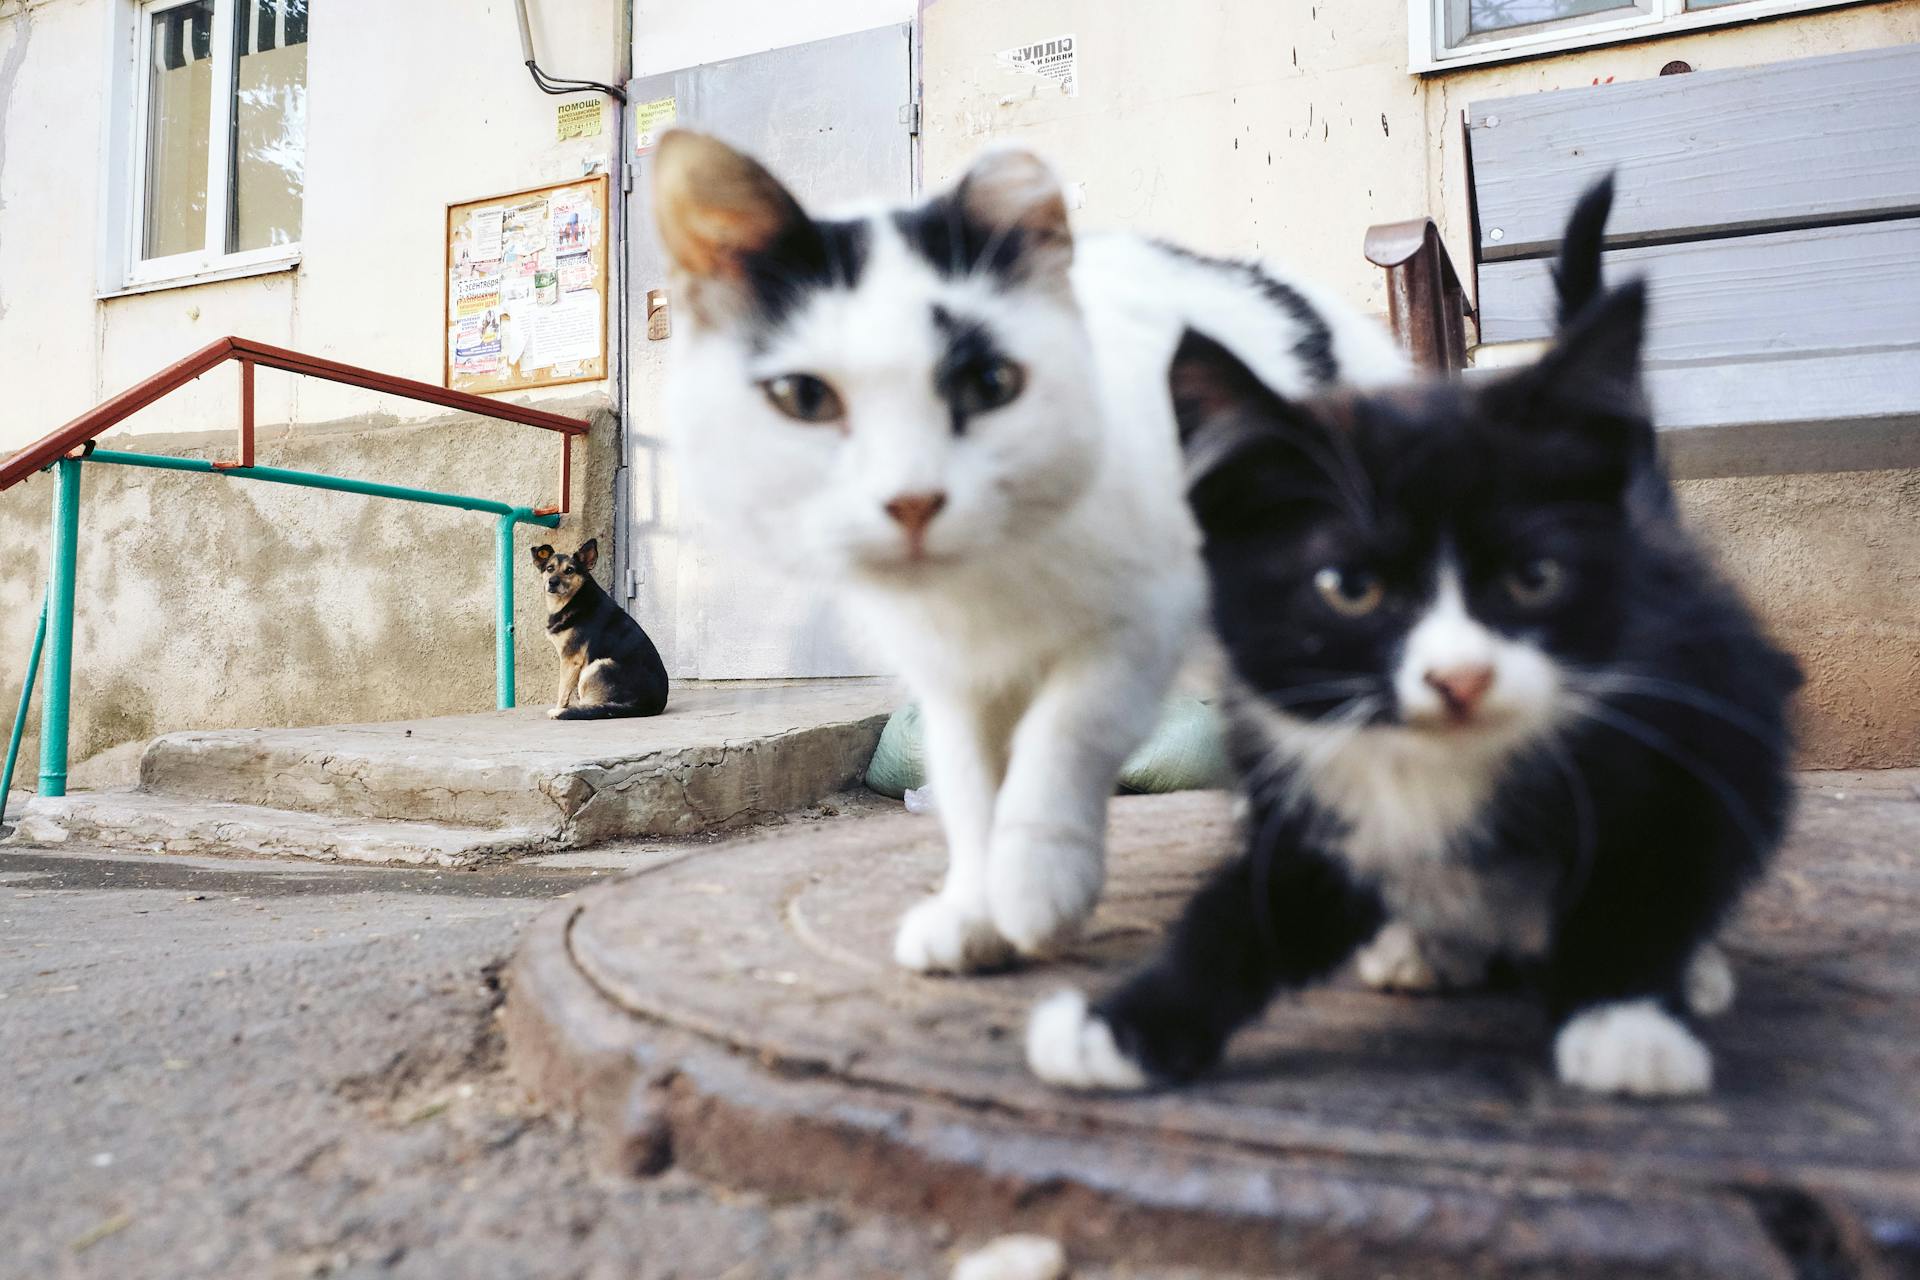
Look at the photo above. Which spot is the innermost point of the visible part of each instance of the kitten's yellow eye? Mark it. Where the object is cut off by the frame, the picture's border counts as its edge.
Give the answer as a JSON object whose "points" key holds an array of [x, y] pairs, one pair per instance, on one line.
{"points": [[1351, 593], [1535, 583], [988, 386], [804, 398]]}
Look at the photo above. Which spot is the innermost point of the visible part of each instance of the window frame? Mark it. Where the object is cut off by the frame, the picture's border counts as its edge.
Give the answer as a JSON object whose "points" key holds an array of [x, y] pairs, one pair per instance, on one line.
{"points": [[124, 270], [1428, 51]]}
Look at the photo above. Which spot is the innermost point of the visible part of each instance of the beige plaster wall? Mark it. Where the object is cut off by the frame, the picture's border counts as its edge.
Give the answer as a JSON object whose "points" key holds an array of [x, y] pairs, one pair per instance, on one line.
{"points": [[206, 603], [411, 106]]}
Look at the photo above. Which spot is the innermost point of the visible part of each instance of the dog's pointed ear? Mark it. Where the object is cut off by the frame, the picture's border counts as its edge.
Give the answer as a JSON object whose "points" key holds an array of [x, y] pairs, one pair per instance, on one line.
{"points": [[541, 554], [588, 555]]}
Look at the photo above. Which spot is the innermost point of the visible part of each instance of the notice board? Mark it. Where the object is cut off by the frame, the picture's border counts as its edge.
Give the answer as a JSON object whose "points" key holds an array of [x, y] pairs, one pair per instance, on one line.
{"points": [[527, 288]]}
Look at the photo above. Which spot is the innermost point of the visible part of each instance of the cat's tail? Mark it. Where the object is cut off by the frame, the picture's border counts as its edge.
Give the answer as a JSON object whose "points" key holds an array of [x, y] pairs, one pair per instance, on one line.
{"points": [[607, 711], [1576, 275]]}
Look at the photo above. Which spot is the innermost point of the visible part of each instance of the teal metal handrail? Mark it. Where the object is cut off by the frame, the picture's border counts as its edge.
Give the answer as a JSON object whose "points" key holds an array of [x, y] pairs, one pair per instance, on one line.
{"points": [[65, 451]]}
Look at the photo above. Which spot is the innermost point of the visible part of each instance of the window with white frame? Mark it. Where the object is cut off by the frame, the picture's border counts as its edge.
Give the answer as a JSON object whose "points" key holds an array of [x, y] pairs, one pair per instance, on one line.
{"points": [[218, 140], [1448, 33]]}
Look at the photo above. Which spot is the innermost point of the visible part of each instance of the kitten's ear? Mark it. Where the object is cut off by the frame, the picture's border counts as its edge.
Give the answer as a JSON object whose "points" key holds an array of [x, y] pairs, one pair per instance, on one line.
{"points": [[1239, 437], [1596, 357], [1210, 386], [541, 554], [718, 208], [1576, 273], [588, 555], [1011, 192], [1583, 399]]}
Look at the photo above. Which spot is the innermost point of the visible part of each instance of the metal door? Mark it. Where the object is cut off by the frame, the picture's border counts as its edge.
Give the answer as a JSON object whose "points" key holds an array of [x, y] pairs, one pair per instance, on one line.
{"points": [[830, 118]]}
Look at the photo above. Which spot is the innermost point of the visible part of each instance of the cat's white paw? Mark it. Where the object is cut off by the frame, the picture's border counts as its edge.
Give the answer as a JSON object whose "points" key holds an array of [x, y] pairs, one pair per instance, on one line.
{"points": [[1633, 1047], [938, 935], [1709, 982], [1042, 887], [1398, 959], [1067, 1045]]}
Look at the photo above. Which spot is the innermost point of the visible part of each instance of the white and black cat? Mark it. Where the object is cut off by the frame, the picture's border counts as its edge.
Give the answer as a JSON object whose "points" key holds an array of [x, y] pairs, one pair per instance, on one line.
{"points": [[1488, 700], [958, 414]]}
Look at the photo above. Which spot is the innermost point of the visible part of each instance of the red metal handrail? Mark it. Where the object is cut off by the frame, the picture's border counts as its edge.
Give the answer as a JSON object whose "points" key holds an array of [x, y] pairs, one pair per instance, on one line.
{"points": [[110, 413]]}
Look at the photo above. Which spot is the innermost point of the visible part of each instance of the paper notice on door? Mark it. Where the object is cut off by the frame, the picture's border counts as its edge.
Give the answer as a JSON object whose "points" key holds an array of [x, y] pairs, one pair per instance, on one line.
{"points": [[1056, 61], [566, 332], [650, 120]]}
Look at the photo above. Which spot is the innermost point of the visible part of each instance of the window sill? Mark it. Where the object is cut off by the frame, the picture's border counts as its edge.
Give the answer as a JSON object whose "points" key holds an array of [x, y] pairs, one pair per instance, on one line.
{"points": [[1555, 44], [274, 266]]}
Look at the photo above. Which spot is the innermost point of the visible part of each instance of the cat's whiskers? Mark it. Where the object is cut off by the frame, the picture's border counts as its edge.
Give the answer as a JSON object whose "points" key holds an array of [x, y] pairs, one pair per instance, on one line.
{"points": [[1639, 685], [1661, 744]]}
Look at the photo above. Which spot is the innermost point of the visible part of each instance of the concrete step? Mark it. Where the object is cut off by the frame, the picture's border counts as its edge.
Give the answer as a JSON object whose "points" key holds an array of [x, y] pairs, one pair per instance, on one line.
{"points": [[723, 754], [148, 823]]}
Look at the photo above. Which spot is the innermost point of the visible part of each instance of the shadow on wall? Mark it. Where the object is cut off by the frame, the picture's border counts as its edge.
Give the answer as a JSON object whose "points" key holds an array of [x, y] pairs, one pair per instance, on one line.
{"points": [[208, 604]]}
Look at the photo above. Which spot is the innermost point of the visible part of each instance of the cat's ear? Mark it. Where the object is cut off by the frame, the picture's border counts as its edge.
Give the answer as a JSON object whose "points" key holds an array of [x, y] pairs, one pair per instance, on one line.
{"points": [[1576, 272], [718, 209], [1011, 195], [588, 555], [1583, 400], [1236, 433]]}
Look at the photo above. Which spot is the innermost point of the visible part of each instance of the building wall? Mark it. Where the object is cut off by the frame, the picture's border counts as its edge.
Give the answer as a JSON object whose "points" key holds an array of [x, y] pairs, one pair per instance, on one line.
{"points": [[1286, 130], [204, 603], [413, 106]]}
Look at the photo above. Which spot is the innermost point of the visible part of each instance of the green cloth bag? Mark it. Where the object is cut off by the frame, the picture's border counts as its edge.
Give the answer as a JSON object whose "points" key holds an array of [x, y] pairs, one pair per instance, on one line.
{"points": [[1185, 752]]}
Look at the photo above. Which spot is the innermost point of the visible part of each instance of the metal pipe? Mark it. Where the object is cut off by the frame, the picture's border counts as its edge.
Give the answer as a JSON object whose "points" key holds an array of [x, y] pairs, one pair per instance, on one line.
{"points": [[65, 554], [26, 699], [311, 480], [503, 626]]}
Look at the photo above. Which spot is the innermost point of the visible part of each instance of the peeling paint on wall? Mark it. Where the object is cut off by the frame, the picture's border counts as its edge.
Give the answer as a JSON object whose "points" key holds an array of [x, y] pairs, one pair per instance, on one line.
{"points": [[9, 74]]}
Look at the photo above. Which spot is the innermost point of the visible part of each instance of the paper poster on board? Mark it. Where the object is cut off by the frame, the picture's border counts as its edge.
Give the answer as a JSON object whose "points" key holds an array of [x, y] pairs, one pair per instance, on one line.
{"points": [[527, 288]]}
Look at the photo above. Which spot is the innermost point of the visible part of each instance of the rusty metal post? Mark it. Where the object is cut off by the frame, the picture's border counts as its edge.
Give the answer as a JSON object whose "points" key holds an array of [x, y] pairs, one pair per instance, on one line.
{"points": [[1426, 303]]}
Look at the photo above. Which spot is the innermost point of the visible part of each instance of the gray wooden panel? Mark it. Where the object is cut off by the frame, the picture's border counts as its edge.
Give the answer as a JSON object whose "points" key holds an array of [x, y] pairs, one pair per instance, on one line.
{"points": [[1787, 144], [1858, 412], [1830, 289]]}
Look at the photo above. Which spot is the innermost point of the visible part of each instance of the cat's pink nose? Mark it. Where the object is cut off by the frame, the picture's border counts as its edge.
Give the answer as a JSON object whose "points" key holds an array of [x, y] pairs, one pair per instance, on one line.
{"points": [[1462, 688], [915, 511]]}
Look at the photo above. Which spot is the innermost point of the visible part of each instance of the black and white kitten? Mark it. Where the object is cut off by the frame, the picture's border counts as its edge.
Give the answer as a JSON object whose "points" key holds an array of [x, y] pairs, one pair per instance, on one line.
{"points": [[1488, 700]]}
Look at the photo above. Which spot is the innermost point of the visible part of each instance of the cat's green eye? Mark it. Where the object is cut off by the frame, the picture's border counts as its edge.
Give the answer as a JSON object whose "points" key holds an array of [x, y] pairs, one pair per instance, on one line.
{"points": [[804, 398], [1351, 593], [1535, 583], [987, 385]]}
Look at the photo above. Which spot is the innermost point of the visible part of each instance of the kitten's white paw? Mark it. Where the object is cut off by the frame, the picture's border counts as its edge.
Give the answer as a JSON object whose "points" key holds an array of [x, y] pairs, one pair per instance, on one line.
{"points": [[938, 935], [1398, 959], [1709, 982], [1633, 1047], [1042, 887], [1067, 1045]]}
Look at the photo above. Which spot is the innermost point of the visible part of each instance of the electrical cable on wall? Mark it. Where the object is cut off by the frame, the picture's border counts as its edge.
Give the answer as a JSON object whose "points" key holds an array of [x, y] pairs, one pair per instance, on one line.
{"points": [[555, 84]]}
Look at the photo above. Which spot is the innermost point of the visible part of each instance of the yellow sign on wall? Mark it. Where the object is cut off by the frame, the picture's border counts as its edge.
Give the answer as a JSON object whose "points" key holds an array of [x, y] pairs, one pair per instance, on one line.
{"points": [[579, 119], [526, 302]]}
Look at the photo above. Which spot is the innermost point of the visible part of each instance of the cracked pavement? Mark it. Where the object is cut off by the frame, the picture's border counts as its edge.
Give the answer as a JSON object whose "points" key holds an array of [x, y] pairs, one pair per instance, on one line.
{"points": [[226, 1068]]}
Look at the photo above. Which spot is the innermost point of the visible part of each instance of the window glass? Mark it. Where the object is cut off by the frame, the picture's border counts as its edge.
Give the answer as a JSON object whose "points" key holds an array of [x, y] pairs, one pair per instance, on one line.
{"points": [[1503, 15], [179, 107], [269, 156]]}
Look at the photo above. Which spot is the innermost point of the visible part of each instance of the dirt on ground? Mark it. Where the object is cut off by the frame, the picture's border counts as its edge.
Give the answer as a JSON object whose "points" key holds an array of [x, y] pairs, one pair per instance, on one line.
{"points": [[226, 1069]]}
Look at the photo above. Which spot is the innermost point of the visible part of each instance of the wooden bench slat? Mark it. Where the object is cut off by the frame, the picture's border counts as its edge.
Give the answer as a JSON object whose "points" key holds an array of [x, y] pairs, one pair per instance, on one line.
{"points": [[1832, 289], [1788, 144]]}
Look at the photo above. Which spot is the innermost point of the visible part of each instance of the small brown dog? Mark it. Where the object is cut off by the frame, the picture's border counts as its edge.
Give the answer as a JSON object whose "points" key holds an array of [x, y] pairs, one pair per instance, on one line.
{"points": [[612, 668]]}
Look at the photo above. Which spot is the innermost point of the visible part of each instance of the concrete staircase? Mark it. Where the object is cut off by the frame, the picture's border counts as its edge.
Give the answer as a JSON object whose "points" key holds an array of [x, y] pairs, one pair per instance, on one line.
{"points": [[458, 790]]}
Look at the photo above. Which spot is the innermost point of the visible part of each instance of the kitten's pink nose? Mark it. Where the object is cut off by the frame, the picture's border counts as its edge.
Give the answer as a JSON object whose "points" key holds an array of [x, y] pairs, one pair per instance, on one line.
{"points": [[915, 511], [1462, 688]]}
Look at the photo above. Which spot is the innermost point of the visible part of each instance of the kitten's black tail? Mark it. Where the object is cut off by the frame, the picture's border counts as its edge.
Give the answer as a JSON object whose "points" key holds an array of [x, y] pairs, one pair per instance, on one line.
{"points": [[1576, 275]]}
